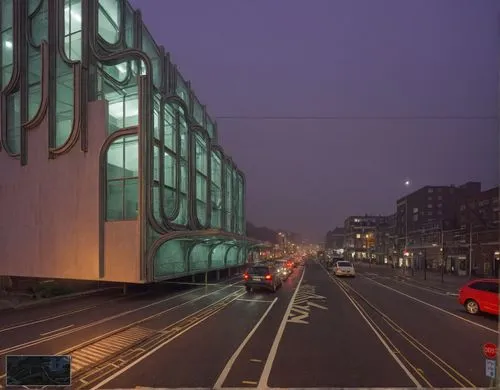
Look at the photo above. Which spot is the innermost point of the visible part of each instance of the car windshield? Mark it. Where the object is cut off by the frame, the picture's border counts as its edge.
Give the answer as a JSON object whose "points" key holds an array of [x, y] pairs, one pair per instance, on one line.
{"points": [[344, 264]]}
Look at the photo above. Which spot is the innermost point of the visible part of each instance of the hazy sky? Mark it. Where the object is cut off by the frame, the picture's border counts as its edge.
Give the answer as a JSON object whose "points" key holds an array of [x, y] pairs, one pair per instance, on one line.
{"points": [[338, 58]]}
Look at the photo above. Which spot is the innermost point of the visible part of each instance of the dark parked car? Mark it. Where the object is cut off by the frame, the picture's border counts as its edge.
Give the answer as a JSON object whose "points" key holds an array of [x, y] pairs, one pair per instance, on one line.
{"points": [[262, 276]]}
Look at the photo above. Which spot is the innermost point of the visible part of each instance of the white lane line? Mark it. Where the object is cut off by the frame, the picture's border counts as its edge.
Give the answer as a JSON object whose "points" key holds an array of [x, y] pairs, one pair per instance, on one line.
{"points": [[152, 351], [391, 352], [57, 330], [225, 372], [119, 315], [436, 307], [264, 377], [12, 327], [255, 300]]}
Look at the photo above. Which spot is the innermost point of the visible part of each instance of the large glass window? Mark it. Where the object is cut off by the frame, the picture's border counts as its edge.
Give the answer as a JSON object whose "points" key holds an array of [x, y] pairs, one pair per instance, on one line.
{"points": [[216, 182], [236, 201], [7, 41], [210, 127], [182, 89], [170, 131], [64, 102], [122, 174], [201, 162], [40, 22], [149, 47], [182, 217], [123, 101], [109, 20], [228, 207], [198, 112], [14, 122], [73, 29]]}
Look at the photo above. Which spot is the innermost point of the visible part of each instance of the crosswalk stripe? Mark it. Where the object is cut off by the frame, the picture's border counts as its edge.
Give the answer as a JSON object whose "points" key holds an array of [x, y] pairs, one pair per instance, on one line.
{"points": [[106, 347]]}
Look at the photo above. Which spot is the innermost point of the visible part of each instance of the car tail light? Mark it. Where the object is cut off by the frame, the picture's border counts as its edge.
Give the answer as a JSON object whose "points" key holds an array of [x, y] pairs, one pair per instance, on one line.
{"points": [[245, 276], [269, 277]]}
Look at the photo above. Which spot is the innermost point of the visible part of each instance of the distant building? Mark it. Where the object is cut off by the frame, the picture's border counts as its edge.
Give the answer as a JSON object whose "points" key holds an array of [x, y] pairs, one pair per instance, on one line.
{"points": [[360, 236], [478, 219], [335, 239], [421, 217]]}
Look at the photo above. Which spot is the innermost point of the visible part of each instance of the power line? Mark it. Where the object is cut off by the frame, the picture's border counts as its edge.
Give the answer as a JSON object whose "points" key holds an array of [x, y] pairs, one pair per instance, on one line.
{"points": [[357, 117]]}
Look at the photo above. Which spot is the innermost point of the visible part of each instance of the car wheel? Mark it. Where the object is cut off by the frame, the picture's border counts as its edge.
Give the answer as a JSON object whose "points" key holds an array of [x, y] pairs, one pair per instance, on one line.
{"points": [[471, 306]]}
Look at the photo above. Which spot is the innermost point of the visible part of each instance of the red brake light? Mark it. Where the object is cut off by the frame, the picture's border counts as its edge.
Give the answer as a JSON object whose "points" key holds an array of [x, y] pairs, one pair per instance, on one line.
{"points": [[245, 276], [268, 277]]}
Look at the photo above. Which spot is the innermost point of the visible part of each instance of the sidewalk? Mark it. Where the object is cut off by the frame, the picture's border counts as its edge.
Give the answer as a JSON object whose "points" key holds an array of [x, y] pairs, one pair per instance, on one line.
{"points": [[446, 283], [450, 283]]}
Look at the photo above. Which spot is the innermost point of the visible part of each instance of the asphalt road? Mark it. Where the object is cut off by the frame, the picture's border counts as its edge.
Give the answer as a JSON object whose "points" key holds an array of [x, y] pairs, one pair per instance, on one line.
{"points": [[316, 331]]}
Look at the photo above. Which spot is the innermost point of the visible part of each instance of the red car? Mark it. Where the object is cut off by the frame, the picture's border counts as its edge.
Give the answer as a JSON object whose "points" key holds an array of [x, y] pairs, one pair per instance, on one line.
{"points": [[480, 295]]}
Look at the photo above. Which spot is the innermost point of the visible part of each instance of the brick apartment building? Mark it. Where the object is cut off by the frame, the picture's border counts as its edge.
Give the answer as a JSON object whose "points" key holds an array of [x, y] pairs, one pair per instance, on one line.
{"points": [[360, 236], [478, 232]]}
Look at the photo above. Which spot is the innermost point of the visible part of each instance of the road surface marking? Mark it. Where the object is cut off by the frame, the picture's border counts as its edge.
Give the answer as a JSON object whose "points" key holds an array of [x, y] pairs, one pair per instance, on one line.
{"points": [[225, 371], [435, 359], [436, 307], [152, 351], [254, 300], [57, 330], [384, 343], [256, 360], [407, 283], [106, 319], [249, 382], [47, 318], [103, 349], [302, 304], [264, 377]]}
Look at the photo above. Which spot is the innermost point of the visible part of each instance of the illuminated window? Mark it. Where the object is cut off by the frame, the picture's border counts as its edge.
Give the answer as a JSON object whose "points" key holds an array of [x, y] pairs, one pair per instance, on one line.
{"points": [[122, 173], [358, 235]]}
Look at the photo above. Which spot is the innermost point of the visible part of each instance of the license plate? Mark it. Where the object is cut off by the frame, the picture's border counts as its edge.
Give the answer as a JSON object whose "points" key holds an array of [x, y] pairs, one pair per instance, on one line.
{"points": [[257, 277]]}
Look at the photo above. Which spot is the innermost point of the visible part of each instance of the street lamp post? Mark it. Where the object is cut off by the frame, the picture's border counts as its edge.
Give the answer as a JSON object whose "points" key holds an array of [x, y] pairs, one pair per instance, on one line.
{"points": [[407, 184]]}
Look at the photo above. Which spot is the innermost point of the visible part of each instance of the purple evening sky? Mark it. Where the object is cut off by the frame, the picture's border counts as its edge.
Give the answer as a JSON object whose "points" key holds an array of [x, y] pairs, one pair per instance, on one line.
{"points": [[341, 58]]}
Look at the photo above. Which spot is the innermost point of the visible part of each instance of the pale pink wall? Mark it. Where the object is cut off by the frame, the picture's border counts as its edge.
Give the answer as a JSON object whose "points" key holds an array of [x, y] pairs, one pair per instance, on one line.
{"points": [[121, 251], [49, 208]]}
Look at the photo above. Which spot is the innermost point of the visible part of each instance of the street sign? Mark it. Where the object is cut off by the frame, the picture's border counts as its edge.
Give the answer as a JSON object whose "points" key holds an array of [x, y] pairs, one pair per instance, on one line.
{"points": [[490, 350], [490, 368]]}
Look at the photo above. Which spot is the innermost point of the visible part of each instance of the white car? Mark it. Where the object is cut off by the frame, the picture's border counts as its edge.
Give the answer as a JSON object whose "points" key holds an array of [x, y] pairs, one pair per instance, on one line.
{"points": [[344, 268]]}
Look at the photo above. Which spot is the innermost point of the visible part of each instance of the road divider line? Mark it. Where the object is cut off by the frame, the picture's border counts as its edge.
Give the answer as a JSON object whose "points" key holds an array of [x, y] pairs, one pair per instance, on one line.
{"points": [[57, 330], [264, 377], [379, 336], [452, 373], [152, 351], [24, 324], [107, 319], [227, 368], [436, 307]]}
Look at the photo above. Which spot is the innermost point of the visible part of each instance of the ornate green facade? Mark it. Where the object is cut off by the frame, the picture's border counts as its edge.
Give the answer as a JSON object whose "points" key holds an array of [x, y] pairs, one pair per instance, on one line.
{"points": [[161, 163]]}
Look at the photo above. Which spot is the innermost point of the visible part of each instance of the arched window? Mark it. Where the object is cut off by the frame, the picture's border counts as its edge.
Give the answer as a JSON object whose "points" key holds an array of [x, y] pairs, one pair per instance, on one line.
{"points": [[202, 177], [182, 217], [7, 38], [216, 189], [109, 20], [228, 192], [73, 29], [118, 85], [122, 177]]}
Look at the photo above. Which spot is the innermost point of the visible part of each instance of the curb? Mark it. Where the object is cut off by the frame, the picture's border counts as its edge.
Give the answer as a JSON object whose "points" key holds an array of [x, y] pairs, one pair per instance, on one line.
{"points": [[44, 301]]}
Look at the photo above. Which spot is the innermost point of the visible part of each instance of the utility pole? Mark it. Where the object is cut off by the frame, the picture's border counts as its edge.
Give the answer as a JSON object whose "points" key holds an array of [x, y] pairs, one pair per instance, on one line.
{"points": [[425, 263]]}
